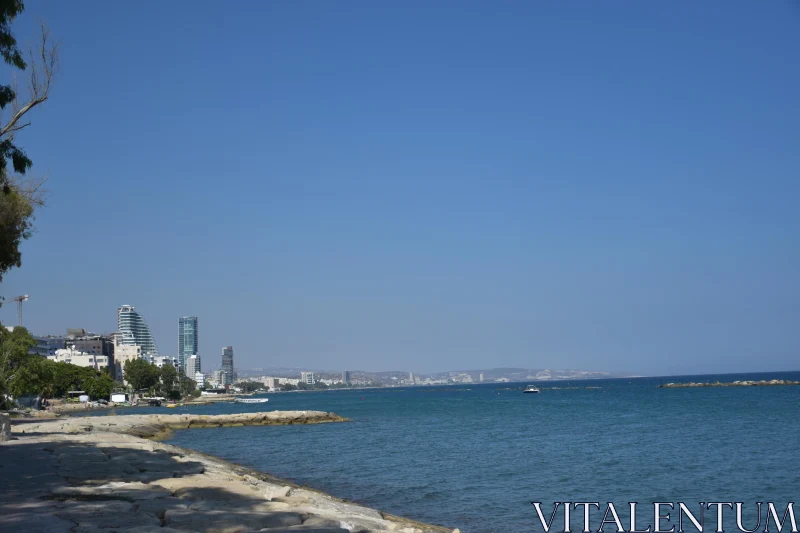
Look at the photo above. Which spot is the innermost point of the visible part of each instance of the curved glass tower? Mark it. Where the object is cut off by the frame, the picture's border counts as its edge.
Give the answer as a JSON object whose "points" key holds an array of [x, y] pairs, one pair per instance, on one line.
{"points": [[134, 330]]}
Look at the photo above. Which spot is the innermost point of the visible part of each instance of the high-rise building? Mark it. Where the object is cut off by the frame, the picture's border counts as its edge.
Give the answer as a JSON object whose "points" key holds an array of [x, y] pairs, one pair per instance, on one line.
{"points": [[187, 341], [346, 377], [193, 365], [134, 330], [227, 363], [307, 378], [481, 377]]}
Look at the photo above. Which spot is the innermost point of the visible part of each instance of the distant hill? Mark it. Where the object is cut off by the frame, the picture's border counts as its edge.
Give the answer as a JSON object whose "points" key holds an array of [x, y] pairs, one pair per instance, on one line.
{"points": [[390, 377]]}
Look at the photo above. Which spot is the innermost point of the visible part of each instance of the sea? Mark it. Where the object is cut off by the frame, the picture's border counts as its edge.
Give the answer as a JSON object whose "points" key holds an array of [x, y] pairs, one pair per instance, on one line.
{"points": [[476, 456]]}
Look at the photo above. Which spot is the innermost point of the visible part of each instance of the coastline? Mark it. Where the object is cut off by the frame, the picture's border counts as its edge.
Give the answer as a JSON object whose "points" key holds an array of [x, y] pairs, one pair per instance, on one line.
{"points": [[90, 473]]}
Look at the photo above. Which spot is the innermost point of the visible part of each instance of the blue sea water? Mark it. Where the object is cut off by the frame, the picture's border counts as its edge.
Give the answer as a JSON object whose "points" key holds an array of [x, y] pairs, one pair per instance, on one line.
{"points": [[475, 456]]}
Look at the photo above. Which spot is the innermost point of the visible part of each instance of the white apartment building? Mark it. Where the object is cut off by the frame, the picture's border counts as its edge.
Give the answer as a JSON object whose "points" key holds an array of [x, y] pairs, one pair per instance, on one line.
{"points": [[77, 358], [161, 360]]}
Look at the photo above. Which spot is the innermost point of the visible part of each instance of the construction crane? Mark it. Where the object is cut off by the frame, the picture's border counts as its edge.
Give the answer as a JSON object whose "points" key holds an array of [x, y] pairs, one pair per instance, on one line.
{"points": [[19, 300]]}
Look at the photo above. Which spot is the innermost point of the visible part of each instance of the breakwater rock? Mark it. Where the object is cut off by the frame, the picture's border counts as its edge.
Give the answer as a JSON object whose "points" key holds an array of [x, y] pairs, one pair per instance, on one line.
{"points": [[159, 426], [762, 383], [97, 474]]}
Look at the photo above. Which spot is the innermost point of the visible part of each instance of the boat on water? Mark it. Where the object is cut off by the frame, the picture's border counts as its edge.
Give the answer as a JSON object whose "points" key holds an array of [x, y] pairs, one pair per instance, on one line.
{"points": [[251, 400], [531, 389]]}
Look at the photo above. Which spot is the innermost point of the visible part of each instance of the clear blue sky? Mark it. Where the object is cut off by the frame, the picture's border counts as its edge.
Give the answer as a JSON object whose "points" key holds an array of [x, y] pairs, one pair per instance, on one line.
{"points": [[425, 185]]}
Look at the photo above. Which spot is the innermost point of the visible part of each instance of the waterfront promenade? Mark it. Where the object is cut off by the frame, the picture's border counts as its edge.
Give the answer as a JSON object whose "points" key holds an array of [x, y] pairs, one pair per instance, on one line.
{"points": [[103, 474]]}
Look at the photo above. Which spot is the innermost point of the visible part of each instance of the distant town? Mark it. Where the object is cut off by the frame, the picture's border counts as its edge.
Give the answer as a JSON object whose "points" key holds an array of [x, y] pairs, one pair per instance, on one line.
{"points": [[133, 340]]}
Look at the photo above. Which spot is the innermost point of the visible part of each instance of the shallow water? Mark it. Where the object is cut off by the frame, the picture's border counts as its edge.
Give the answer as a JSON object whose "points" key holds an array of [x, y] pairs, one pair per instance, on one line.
{"points": [[475, 456]]}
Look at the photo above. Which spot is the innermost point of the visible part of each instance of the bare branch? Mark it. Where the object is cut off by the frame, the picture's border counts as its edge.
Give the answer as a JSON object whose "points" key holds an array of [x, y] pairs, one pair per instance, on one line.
{"points": [[40, 78], [32, 189]]}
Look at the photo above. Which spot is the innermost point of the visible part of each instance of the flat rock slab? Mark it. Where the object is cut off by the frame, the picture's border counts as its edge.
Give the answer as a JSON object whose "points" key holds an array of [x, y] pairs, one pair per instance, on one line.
{"points": [[96, 475]]}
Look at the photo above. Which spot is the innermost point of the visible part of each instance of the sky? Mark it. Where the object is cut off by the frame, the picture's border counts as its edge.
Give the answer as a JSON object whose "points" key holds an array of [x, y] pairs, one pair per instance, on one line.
{"points": [[424, 186]]}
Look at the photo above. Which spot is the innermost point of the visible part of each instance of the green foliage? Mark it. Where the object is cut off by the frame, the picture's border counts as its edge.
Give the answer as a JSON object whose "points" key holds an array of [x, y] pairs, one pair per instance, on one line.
{"points": [[98, 386], [169, 377], [141, 374], [187, 386], [17, 200], [16, 224], [174, 395], [23, 374], [9, 9], [250, 386], [288, 387], [14, 347]]}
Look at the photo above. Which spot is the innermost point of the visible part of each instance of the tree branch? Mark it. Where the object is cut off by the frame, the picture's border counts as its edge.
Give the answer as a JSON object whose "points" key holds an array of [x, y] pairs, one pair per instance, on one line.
{"points": [[42, 72]]}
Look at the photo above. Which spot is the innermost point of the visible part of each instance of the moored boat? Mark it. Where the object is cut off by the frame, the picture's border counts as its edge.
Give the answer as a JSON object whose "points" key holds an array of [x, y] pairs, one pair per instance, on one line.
{"points": [[531, 389], [251, 400]]}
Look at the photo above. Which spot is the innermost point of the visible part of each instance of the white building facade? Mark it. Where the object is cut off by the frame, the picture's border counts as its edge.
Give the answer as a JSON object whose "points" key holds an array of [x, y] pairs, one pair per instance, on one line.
{"points": [[77, 358]]}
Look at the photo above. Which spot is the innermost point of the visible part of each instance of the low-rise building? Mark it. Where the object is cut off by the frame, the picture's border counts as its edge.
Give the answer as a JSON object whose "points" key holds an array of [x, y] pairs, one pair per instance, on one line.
{"points": [[78, 358], [48, 344], [161, 360], [122, 354]]}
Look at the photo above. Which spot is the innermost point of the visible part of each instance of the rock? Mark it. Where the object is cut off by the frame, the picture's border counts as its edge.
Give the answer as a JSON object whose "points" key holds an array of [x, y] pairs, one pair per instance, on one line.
{"points": [[112, 491], [35, 523], [160, 506], [277, 492], [106, 514], [303, 529], [318, 521], [227, 519], [5, 427]]}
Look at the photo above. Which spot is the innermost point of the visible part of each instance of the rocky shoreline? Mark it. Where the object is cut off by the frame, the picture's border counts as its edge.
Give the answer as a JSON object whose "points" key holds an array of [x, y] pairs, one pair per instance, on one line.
{"points": [[111, 474], [762, 383]]}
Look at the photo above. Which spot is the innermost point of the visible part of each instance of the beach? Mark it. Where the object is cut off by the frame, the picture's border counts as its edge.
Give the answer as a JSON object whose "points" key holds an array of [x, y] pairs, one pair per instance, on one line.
{"points": [[93, 474]]}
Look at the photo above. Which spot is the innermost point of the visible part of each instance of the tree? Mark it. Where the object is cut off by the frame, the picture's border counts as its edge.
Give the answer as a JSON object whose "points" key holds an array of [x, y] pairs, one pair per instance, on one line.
{"points": [[169, 376], [19, 198], [250, 386], [141, 374], [187, 386], [14, 356], [98, 385]]}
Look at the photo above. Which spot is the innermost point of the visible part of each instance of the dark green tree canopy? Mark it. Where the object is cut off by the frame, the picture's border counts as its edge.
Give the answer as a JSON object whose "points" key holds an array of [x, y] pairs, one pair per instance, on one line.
{"points": [[169, 377], [141, 374]]}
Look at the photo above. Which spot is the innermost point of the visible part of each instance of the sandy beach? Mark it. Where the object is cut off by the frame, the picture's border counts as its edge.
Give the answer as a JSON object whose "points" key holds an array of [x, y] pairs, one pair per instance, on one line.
{"points": [[109, 474]]}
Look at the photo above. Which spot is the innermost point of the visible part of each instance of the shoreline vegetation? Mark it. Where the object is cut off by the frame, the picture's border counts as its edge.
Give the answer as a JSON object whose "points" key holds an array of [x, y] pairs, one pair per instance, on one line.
{"points": [[112, 472], [762, 383]]}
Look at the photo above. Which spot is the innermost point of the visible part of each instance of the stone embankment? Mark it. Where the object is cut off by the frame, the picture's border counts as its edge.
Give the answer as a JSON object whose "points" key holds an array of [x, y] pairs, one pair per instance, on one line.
{"points": [[98, 475], [763, 383]]}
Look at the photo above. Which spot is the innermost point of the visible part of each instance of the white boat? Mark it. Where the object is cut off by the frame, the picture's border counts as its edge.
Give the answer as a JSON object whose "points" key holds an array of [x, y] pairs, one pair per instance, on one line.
{"points": [[530, 389], [251, 400]]}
